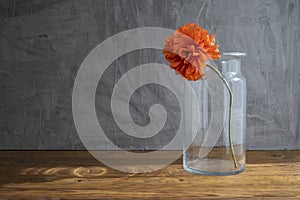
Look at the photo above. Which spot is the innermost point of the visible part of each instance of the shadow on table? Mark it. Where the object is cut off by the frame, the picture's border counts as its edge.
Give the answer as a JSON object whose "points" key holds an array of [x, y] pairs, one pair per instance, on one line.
{"points": [[274, 156]]}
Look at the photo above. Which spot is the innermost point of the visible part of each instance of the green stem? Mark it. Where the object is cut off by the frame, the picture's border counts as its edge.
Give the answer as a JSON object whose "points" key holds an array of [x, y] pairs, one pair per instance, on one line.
{"points": [[230, 111]]}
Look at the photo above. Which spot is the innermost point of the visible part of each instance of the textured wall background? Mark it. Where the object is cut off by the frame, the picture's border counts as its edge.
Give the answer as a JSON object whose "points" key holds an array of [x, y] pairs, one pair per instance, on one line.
{"points": [[43, 43]]}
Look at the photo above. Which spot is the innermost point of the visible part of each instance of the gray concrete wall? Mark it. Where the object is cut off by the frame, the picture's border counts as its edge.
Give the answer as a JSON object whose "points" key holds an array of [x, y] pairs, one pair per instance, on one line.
{"points": [[43, 43]]}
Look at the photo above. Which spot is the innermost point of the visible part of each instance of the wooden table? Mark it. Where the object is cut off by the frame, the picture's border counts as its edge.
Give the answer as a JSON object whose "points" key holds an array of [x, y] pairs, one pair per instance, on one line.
{"points": [[77, 175]]}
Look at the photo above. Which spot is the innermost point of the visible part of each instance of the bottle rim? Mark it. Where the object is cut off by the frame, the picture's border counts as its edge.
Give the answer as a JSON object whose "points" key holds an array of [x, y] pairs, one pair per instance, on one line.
{"points": [[232, 55]]}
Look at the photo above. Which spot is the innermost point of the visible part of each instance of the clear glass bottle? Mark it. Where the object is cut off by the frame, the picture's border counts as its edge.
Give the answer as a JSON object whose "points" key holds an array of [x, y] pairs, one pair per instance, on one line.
{"points": [[210, 151]]}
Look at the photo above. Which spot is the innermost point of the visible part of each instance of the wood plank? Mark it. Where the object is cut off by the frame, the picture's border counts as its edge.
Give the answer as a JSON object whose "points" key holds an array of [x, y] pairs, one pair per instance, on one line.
{"points": [[77, 175]]}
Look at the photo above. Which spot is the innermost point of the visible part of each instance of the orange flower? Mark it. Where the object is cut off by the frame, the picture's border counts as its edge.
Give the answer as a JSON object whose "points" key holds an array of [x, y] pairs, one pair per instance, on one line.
{"points": [[188, 50]]}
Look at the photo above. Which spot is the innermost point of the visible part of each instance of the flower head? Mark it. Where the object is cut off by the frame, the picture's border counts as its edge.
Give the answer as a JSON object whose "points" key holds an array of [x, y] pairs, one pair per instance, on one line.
{"points": [[188, 49]]}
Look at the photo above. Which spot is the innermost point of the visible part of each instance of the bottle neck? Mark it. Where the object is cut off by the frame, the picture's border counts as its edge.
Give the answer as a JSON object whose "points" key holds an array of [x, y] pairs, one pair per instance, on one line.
{"points": [[232, 66]]}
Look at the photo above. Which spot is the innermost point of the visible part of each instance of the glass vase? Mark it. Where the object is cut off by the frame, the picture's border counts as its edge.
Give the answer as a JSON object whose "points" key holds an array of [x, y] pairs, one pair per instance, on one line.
{"points": [[213, 151]]}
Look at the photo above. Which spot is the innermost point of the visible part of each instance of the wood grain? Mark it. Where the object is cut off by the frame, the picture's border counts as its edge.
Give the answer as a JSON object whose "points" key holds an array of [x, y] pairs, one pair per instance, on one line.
{"points": [[77, 175]]}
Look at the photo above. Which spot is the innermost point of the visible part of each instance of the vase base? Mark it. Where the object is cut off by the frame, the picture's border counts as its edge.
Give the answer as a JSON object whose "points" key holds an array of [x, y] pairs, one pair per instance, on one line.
{"points": [[201, 167]]}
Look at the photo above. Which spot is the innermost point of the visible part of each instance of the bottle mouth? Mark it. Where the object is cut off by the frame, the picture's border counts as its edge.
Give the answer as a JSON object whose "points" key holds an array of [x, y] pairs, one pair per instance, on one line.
{"points": [[232, 55]]}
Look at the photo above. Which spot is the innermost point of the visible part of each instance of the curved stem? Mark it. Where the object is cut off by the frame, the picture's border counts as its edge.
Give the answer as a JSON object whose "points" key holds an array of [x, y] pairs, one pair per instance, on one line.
{"points": [[230, 111]]}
